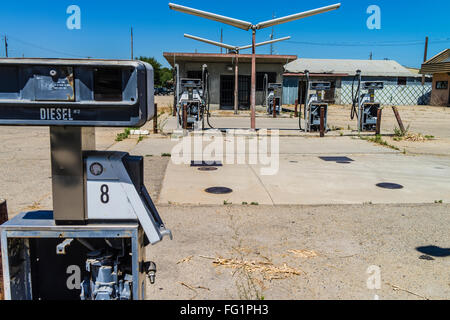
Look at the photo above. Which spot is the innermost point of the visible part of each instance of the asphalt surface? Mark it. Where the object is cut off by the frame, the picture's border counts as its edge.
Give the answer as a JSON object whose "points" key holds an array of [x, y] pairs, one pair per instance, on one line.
{"points": [[325, 250]]}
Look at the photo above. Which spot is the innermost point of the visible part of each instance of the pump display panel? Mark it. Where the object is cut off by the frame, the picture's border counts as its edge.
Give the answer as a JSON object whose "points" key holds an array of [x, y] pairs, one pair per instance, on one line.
{"points": [[69, 92], [320, 86], [373, 85]]}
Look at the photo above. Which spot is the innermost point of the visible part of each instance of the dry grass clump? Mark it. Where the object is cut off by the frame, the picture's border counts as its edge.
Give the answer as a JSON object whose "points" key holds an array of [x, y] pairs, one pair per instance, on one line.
{"points": [[417, 137], [185, 260], [303, 253], [267, 269]]}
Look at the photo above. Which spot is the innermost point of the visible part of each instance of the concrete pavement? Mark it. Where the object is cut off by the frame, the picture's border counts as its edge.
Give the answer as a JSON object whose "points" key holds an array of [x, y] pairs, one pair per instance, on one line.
{"points": [[305, 176]]}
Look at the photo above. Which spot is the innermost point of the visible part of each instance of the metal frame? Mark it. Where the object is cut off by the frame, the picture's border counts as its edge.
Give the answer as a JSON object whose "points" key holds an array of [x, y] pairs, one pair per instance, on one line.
{"points": [[143, 106], [20, 227], [245, 25], [236, 51]]}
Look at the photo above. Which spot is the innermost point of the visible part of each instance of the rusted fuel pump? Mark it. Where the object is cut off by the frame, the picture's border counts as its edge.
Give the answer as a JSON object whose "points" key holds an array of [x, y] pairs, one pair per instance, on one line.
{"points": [[364, 106], [314, 104], [193, 101], [91, 246], [273, 96]]}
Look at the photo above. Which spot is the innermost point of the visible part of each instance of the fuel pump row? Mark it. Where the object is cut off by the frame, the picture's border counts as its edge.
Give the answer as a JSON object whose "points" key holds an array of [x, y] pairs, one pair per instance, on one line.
{"points": [[364, 106], [192, 102]]}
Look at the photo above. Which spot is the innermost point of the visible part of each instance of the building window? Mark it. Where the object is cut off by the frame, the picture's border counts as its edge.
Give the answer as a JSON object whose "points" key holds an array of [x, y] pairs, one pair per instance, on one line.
{"points": [[272, 77], [401, 81], [441, 85]]}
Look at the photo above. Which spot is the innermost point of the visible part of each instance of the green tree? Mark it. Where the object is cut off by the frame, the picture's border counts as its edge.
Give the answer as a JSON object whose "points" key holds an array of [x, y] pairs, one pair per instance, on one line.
{"points": [[156, 68], [163, 76], [166, 77]]}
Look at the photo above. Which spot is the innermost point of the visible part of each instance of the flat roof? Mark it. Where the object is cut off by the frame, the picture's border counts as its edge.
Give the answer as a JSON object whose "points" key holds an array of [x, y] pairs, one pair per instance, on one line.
{"points": [[174, 57], [384, 68]]}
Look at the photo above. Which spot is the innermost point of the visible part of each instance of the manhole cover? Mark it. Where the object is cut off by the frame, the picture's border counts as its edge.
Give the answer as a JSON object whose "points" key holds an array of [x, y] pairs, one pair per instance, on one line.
{"points": [[207, 169], [391, 186], [344, 160], [206, 164], [219, 190]]}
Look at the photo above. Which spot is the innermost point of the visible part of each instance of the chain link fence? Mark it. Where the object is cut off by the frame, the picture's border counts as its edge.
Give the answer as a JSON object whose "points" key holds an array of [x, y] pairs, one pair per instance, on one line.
{"points": [[393, 95]]}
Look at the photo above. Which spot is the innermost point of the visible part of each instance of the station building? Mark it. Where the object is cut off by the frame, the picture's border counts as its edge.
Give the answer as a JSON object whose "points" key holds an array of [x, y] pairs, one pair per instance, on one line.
{"points": [[439, 67], [222, 74]]}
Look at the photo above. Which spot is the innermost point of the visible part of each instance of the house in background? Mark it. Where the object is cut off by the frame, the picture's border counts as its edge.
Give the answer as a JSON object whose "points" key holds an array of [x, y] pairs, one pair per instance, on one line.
{"points": [[439, 67], [222, 77], [401, 86]]}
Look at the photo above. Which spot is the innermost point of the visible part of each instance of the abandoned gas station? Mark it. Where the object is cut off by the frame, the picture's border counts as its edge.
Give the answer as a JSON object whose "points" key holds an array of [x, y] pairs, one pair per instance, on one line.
{"points": [[402, 87], [221, 69]]}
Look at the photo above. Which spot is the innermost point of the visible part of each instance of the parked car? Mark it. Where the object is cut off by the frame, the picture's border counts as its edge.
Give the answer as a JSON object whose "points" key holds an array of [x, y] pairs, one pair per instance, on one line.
{"points": [[160, 91]]}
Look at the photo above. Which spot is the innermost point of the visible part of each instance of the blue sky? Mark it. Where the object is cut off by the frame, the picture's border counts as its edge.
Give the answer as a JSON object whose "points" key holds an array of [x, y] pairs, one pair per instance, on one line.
{"points": [[38, 28]]}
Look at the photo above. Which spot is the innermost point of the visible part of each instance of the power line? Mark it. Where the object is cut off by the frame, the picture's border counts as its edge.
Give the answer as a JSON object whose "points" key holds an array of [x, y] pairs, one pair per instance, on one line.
{"points": [[370, 44], [46, 49]]}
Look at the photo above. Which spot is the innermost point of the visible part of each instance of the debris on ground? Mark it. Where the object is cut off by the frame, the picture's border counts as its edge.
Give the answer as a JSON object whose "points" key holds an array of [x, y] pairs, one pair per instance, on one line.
{"points": [[192, 288], [426, 257], [267, 269], [34, 206], [242, 250], [303, 253], [187, 259], [417, 137], [397, 288], [413, 137]]}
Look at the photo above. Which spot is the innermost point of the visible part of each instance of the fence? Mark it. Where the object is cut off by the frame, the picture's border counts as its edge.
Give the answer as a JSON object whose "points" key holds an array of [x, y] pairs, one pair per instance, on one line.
{"points": [[393, 95]]}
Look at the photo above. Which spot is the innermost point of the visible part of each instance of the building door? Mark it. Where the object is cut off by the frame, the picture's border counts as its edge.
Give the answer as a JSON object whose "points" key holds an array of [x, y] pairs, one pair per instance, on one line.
{"points": [[244, 92], [227, 92]]}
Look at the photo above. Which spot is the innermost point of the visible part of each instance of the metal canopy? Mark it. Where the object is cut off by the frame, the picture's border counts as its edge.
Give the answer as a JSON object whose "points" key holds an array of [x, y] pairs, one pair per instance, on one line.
{"points": [[297, 16], [234, 48], [264, 43], [212, 16], [215, 43], [245, 25]]}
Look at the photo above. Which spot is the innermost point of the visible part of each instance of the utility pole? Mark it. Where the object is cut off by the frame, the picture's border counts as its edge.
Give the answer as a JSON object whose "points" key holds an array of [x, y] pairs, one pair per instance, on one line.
{"points": [[132, 53], [425, 56], [6, 46], [253, 83], [221, 39], [272, 35]]}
